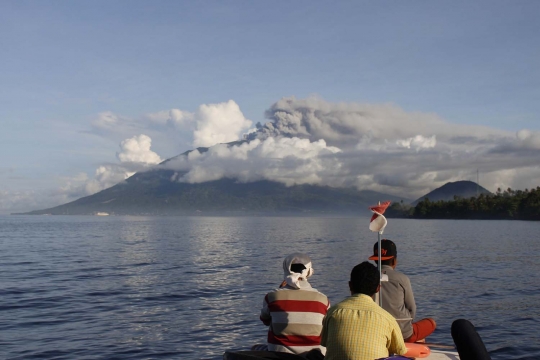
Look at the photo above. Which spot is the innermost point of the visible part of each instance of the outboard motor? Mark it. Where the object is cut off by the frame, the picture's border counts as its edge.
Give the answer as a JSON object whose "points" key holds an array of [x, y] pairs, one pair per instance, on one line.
{"points": [[469, 345]]}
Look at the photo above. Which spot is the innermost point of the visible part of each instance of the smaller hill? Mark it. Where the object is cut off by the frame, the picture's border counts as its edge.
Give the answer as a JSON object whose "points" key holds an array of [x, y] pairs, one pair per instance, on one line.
{"points": [[463, 189]]}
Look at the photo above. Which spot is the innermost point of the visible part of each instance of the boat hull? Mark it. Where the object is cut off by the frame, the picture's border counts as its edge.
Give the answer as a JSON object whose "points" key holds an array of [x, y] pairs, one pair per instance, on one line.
{"points": [[271, 355]]}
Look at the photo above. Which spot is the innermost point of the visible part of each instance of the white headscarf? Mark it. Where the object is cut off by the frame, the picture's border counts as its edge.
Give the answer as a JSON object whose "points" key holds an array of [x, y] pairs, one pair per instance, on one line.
{"points": [[294, 279]]}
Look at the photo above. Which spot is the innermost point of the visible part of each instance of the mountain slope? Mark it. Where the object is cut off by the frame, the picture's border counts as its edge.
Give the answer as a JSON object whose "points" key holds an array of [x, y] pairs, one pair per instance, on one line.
{"points": [[153, 193], [464, 189]]}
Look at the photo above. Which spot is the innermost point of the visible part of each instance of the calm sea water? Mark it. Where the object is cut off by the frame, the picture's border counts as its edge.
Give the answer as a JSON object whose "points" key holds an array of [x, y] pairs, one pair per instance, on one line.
{"points": [[191, 287]]}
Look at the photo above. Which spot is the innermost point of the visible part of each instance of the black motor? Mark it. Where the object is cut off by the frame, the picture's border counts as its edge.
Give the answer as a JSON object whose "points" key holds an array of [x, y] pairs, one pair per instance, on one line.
{"points": [[469, 345]]}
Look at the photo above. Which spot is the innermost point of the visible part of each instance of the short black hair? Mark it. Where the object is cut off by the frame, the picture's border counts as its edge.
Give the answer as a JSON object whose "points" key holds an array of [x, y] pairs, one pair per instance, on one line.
{"points": [[365, 279]]}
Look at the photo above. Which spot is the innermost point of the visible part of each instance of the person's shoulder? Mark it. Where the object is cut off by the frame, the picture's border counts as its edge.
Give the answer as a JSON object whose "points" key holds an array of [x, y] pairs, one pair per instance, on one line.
{"points": [[315, 291], [315, 295], [340, 305], [350, 302], [354, 304], [399, 275], [389, 318], [276, 290], [273, 293], [297, 295]]}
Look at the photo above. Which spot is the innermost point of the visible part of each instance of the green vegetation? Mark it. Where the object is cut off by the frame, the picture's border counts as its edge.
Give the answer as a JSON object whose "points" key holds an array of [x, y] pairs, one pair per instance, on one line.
{"points": [[462, 188], [503, 205]]}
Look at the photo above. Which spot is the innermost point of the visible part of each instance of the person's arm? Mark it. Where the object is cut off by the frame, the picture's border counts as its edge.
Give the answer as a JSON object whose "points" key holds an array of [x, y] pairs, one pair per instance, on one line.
{"points": [[265, 317], [324, 332], [410, 304], [397, 345]]}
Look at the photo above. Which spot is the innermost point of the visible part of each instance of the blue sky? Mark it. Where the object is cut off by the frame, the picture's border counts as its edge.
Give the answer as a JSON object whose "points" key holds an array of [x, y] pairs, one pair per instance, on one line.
{"points": [[64, 63]]}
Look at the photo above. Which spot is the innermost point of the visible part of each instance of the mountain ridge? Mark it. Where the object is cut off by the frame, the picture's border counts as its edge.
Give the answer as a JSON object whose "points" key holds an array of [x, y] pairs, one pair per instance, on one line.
{"points": [[153, 193]]}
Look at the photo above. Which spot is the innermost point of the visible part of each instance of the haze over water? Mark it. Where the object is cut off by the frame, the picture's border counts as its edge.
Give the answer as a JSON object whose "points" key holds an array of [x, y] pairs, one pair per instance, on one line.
{"points": [[192, 287]]}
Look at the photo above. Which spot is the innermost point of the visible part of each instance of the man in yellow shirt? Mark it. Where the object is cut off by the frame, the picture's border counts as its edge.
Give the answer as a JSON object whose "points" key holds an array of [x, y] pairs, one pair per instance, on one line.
{"points": [[357, 328]]}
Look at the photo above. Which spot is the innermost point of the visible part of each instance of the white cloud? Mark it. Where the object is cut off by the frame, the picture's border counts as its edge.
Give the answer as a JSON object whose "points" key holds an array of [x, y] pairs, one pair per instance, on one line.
{"points": [[288, 160], [372, 143], [105, 177], [176, 130], [379, 147], [137, 150], [106, 120], [418, 142], [174, 118], [517, 178], [17, 201], [171, 130], [528, 139], [219, 123], [135, 155]]}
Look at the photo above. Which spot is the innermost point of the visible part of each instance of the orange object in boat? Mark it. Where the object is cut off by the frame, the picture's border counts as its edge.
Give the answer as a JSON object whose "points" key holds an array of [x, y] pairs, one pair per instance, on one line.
{"points": [[416, 350]]}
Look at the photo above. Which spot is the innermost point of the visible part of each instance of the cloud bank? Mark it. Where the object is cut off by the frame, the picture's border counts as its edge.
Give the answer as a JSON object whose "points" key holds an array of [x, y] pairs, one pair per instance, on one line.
{"points": [[288, 160], [377, 147], [344, 124], [135, 155], [210, 124], [368, 146]]}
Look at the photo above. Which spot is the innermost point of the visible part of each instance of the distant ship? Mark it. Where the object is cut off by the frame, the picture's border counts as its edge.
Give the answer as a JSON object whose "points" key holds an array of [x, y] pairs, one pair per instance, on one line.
{"points": [[102, 214]]}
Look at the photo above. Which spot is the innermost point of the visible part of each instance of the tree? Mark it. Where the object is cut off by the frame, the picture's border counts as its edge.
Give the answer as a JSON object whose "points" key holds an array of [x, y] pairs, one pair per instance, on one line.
{"points": [[510, 204]]}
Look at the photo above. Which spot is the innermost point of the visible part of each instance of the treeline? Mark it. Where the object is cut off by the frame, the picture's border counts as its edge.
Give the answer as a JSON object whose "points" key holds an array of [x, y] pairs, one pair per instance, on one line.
{"points": [[503, 205]]}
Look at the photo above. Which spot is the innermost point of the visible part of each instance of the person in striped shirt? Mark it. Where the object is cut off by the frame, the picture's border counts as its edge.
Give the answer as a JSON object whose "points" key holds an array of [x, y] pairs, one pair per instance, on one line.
{"points": [[357, 328], [295, 311]]}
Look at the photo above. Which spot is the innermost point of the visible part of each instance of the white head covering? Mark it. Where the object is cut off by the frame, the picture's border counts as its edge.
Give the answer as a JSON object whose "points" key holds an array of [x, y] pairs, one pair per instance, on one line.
{"points": [[294, 279]]}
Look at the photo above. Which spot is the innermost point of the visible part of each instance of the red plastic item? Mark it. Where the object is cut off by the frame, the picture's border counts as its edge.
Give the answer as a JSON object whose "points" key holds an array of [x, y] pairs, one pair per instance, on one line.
{"points": [[416, 350]]}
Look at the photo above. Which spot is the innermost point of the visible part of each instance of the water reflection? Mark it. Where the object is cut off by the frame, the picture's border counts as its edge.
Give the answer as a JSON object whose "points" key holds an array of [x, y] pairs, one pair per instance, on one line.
{"points": [[190, 288]]}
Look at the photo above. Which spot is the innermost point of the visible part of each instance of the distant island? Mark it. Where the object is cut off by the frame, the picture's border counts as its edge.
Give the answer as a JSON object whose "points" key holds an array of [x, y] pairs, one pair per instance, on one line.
{"points": [[153, 193], [503, 205]]}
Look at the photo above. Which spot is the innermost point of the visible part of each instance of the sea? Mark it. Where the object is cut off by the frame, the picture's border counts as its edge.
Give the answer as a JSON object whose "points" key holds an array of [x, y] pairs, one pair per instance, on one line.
{"points": [[123, 287]]}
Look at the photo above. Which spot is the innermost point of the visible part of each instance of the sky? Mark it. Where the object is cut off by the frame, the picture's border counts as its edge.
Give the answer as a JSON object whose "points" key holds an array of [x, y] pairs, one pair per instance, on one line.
{"points": [[397, 97]]}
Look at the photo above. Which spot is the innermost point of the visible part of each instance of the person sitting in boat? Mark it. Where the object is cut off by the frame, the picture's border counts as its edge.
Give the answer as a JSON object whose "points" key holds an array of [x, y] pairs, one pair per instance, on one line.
{"points": [[397, 295], [357, 328], [295, 311]]}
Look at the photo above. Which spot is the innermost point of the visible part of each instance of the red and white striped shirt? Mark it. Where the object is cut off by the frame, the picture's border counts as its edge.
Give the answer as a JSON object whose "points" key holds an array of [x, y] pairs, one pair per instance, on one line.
{"points": [[295, 318]]}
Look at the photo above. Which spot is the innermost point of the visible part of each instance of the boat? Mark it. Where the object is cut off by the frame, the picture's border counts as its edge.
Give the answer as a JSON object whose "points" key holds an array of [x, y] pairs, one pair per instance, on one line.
{"points": [[468, 346], [100, 213], [272, 355]]}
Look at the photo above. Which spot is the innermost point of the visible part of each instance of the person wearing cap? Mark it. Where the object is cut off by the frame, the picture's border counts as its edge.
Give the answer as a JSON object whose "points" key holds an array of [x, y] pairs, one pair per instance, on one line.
{"points": [[357, 328], [397, 295], [295, 311]]}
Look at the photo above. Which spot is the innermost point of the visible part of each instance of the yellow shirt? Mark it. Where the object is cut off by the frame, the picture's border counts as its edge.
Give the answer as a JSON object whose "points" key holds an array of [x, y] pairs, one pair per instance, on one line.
{"points": [[358, 329]]}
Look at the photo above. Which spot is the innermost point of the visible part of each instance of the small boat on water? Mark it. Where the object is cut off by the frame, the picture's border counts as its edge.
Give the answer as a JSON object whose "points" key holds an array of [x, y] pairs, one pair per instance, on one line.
{"points": [[468, 346], [271, 355], [102, 213]]}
